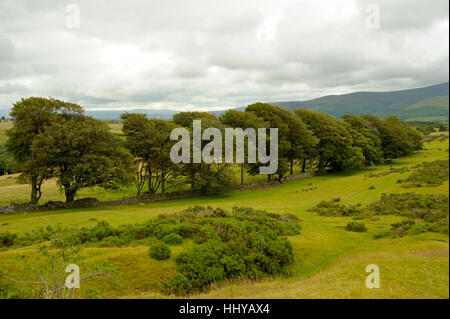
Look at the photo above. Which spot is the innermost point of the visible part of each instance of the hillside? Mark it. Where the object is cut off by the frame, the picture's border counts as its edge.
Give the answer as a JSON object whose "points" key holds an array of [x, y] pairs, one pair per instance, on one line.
{"points": [[329, 261], [426, 102]]}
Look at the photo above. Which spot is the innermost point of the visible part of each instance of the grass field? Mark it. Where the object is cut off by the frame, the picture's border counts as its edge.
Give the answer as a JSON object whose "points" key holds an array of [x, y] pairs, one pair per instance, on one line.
{"points": [[4, 125], [329, 261]]}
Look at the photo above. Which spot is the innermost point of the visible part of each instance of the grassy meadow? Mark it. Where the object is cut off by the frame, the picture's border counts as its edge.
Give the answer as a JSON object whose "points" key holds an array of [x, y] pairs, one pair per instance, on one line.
{"points": [[329, 261]]}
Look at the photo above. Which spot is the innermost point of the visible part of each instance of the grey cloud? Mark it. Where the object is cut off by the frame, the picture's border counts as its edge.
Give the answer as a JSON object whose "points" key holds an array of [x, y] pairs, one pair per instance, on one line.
{"points": [[205, 53]]}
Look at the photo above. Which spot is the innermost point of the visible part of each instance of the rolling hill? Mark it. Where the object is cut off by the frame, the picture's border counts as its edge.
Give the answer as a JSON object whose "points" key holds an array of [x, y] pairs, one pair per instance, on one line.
{"points": [[427, 102]]}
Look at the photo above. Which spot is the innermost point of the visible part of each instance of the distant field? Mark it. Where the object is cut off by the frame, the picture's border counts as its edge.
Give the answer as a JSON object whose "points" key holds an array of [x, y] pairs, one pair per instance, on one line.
{"points": [[428, 119], [441, 101], [4, 125], [329, 261]]}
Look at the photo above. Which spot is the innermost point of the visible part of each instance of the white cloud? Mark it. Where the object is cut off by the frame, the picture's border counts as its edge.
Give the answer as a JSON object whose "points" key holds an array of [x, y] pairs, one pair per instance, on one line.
{"points": [[212, 54]]}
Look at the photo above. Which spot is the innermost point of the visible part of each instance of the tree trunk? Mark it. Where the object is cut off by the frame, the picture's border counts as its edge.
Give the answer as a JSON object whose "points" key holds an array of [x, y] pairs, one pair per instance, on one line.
{"points": [[292, 166], [242, 174], [304, 165], [138, 189], [163, 182], [34, 190], [70, 193], [269, 177]]}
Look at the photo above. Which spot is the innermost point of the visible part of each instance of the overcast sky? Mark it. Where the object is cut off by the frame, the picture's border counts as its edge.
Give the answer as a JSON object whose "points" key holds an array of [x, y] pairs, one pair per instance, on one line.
{"points": [[215, 54]]}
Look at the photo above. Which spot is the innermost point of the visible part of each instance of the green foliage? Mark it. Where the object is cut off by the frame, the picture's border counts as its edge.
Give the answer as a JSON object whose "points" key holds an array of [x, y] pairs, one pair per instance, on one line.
{"points": [[243, 243], [429, 174], [149, 142], [365, 139], [26, 129], [356, 227], [210, 178], [397, 138], [7, 239], [334, 208], [159, 252], [429, 207], [83, 153], [185, 118], [336, 147], [44, 274], [295, 140], [425, 213], [7, 164], [172, 239]]}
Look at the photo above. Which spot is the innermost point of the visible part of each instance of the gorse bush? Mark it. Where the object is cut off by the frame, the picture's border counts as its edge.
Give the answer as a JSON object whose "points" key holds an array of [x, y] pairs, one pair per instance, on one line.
{"points": [[425, 213], [7, 239], [172, 239], [429, 174], [160, 252], [243, 243], [356, 227], [428, 207], [227, 244], [335, 208]]}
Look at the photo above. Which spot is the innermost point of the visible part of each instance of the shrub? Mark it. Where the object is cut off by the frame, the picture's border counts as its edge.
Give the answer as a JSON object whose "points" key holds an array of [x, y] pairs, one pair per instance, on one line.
{"points": [[7, 239], [429, 174], [401, 227], [356, 227], [431, 208], [172, 239], [335, 208], [160, 252]]}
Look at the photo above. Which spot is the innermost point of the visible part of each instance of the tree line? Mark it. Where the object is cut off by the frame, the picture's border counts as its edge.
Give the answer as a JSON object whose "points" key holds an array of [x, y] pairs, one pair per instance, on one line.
{"points": [[51, 138]]}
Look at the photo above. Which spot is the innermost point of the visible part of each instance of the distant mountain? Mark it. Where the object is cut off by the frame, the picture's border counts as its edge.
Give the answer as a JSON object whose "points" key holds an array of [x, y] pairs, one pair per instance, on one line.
{"points": [[421, 103], [159, 114], [115, 115], [424, 104]]}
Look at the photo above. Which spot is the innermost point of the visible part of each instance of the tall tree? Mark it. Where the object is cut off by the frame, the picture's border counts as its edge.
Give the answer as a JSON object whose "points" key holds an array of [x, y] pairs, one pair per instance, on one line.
{"points": [[149, 142], [137, 131], [243, 120], [365, 139], [159, 164], [336, 147], [295, 140], [83, 153], [397, 138], [30, 118], [215, 177]]}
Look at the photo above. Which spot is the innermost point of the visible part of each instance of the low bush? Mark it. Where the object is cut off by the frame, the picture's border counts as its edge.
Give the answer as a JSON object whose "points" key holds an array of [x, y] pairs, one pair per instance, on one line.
{"points": [[335, 208], [159, 252], [428, 174], [172, 239], [7, 239], [428, 207], [356, 227]]}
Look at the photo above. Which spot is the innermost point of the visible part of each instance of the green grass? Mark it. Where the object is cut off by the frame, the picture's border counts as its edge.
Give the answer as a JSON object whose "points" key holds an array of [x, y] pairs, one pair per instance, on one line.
{"points": [[329, 261], [4, 125]]}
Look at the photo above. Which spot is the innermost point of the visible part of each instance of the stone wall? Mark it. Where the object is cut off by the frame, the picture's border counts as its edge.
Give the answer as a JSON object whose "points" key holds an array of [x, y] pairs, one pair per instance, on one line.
{"points": [[91, 202]]}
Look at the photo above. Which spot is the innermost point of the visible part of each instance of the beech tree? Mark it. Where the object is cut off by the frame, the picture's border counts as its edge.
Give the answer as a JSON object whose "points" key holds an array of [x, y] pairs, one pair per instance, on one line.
{"points": [[82, 153], [365, 138], [149, 142], [397, 138], [336, 146], [243, 120], [30, 118], [295, 140]]}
